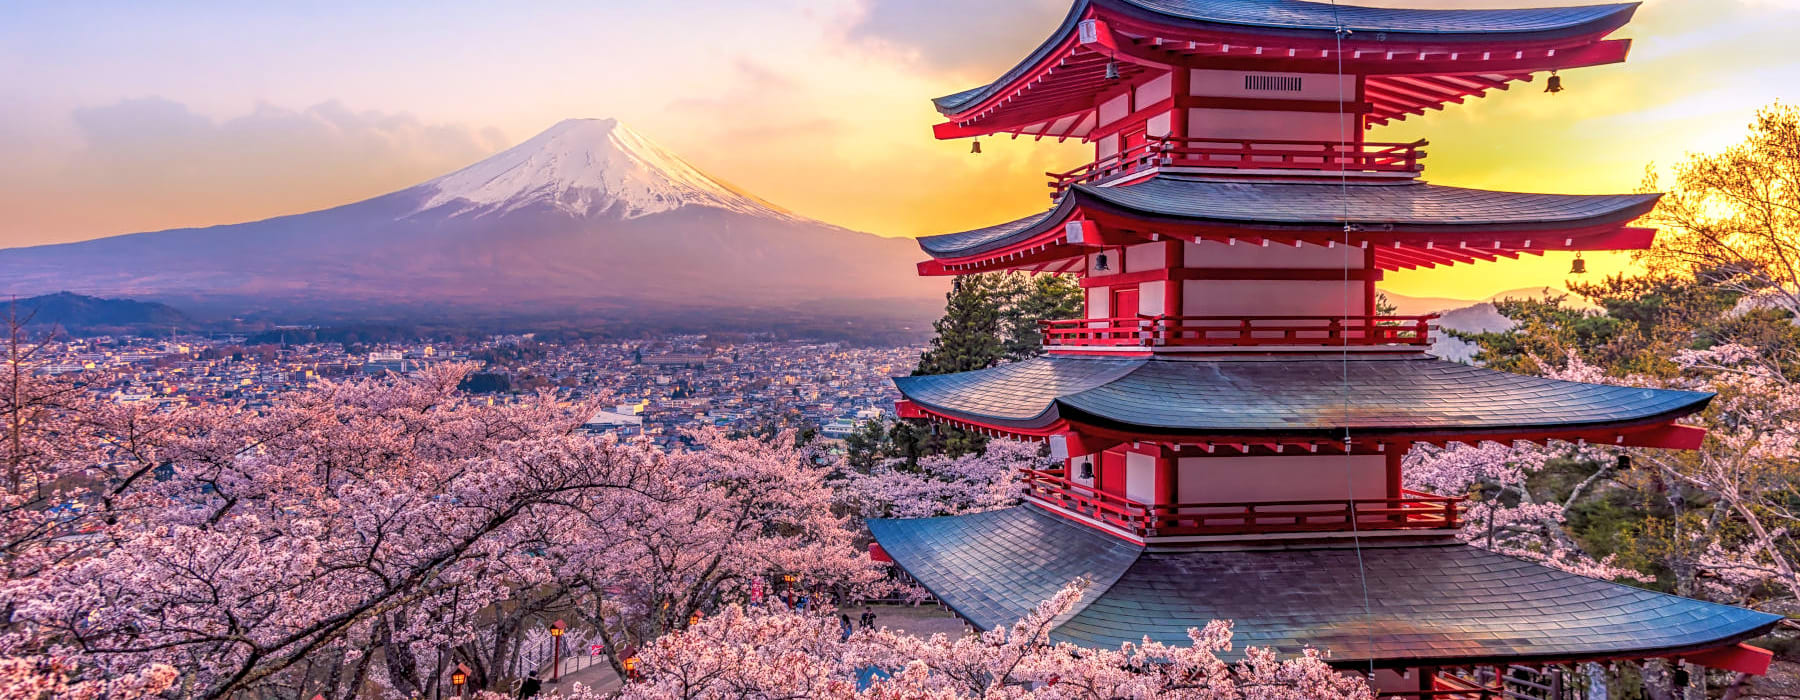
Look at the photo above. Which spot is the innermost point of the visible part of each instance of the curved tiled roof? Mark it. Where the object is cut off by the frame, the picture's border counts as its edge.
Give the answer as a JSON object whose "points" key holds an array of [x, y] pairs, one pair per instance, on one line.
{"points": [[1303, 16], [1299, 14], [1284, 395], [990, 237], [1267, 203], [1445, 602]]}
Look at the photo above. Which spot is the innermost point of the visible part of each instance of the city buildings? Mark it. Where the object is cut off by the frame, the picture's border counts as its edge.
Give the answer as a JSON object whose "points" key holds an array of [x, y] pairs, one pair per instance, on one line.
{"points": [[757, 385]]}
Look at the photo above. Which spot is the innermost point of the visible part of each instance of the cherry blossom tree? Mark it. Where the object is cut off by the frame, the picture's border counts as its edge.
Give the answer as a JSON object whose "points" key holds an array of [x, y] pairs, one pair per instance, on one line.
{"points": [[943, 485], [1746, 474], [277, 550], [759, 653], [721, 518], [1506, 514]]}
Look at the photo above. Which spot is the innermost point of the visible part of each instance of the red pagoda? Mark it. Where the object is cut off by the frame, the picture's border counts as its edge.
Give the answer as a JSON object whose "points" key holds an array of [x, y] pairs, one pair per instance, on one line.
{"points": [[1230, 415]]}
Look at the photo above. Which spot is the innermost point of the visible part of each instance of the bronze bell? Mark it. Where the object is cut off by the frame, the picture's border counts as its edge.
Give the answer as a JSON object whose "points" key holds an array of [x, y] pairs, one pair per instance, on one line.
{"points": [[1087, 471], [1579, 267], [977, 148], [1554, 84], [1112, 71], [1624, 463], [1100, 262]]}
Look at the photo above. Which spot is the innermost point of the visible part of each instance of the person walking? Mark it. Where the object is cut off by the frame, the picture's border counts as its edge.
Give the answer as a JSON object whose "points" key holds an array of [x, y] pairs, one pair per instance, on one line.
{"points": [[531, 686], [844, 622]]}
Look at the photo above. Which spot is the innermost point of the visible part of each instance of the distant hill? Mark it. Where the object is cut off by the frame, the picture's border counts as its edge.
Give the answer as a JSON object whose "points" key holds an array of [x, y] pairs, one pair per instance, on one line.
{"points": [[80, 312], [1414, 306]]}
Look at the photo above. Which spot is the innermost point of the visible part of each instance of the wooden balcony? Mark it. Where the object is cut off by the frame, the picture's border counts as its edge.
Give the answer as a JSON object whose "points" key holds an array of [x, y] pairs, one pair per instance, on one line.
{"points": [[1238, 331], [1175, 153], [1413, 510]]}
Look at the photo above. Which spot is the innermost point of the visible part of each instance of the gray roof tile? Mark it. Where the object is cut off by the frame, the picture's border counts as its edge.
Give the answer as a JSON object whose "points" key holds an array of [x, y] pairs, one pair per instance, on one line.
{"points": [[1321, 395], [1443, 602], [1229, 201]]}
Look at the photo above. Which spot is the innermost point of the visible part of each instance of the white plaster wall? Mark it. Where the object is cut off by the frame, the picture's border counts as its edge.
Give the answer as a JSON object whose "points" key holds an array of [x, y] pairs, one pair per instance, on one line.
{"points": [[1106, 147], [1150, 298], [1157, 90], [1230, 83], [1145, 256], [1099, 302], [1274, 255], [1140, 477], [1114, 109], [1280, 478], [1271, 298], [1158, 125], [1204, 122]]}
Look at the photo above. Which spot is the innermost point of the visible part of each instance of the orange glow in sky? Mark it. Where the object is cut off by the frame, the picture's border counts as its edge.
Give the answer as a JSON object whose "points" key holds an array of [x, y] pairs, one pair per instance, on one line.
{"points": [[134, 119]]}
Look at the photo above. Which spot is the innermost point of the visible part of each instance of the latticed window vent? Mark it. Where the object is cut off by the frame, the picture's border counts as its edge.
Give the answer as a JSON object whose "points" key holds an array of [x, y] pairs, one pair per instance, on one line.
{"points": [[1282, 83]]}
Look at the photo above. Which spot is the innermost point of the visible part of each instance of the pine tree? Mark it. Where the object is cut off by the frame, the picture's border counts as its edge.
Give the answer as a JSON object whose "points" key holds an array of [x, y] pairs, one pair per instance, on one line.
{"points": [[865, 445], [1034, 299], [969, 333]]}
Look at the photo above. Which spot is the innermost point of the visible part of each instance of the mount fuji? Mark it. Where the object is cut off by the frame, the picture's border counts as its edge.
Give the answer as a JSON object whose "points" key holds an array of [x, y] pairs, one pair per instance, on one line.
{"points": [[587, 215]]}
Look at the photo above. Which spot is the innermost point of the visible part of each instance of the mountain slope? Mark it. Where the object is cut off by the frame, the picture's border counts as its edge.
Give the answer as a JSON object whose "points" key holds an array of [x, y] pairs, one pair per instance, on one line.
{"points": [[587, 215], [75, 311]]}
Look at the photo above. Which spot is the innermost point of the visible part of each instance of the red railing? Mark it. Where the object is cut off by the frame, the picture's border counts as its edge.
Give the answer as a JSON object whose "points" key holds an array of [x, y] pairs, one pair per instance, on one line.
{"points": [[1271, 154], [1228, 331], [1086, 501], [1413, 510]]}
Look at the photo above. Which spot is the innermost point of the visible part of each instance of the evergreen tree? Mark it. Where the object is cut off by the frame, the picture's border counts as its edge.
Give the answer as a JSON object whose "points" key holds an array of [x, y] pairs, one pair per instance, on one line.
{"points": [[1033, 299], [969, 333], [988, 319], [863, 446]]}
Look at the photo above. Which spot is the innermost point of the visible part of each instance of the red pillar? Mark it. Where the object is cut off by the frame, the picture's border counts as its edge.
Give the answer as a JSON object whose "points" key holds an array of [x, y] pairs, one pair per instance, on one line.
{"points": [[1370, 277], [1167, 477], [1173, 252], [1395, 453], [1180, 87]]}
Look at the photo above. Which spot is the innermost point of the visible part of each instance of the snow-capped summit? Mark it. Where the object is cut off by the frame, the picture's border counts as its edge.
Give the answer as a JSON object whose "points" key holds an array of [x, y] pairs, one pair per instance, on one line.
{"points": [[586, 167], [585, 216]]}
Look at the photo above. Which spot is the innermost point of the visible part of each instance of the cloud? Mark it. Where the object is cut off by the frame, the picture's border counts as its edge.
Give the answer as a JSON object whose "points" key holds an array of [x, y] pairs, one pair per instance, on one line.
{"points": [[152, 163], [957, 36]]}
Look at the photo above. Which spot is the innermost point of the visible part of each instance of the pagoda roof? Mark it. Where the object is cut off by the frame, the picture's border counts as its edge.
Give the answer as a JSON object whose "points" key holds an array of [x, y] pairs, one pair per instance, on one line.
{"points": [[1440, 602], [1301, 17], [1318, 394], [1390, 215]]}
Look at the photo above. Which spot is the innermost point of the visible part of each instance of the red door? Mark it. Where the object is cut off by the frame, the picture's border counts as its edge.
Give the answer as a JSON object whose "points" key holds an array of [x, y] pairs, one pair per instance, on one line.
{"points": [[1124, 306], [1125, 302]]}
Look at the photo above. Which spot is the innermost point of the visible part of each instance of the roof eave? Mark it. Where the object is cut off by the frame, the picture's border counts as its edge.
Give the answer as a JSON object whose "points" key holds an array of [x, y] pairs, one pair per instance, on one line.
{"points": [[961, 104]]}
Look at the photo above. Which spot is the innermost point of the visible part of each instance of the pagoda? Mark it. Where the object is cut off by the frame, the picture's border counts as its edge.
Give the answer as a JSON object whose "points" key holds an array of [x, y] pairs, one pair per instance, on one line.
{"points": [[1227, 421]]}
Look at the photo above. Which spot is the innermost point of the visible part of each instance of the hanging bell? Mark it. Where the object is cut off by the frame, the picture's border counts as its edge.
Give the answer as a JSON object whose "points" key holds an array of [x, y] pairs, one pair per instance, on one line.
{"points": [[1100, 262], [1554, 84], [1087, 471], [1579, 266], [1112, 71], [1624, 463], [976, 149]]}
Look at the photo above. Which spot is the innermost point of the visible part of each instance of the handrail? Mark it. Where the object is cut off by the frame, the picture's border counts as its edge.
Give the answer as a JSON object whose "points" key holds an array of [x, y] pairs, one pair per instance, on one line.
{"points": [[1412, 510], [1226, 331], [1274, 154]]}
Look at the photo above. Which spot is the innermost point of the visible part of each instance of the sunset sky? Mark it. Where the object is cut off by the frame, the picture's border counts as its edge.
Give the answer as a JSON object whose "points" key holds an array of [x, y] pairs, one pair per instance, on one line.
{"points": [[117, 117]]}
